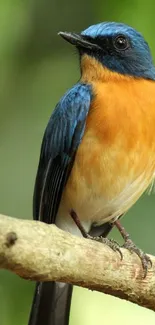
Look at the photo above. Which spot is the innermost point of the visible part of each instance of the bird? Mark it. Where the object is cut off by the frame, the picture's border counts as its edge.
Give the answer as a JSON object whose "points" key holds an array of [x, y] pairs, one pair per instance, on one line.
{"points": [[98, 151]]}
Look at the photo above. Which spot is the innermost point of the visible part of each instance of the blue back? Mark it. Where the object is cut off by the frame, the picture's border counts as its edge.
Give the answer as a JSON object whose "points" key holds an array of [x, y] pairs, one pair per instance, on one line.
{"points": [[60, 142]]}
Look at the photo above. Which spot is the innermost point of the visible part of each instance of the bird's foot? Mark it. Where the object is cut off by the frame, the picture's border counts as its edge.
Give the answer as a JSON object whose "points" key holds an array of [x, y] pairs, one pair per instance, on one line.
{"points": [[109, 242], [145, 259]]}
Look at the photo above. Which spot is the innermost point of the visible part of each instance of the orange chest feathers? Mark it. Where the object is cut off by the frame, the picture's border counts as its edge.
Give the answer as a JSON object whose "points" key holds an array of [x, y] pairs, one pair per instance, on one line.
{"points": [[121, 127], [123, 114], [115, 161]]}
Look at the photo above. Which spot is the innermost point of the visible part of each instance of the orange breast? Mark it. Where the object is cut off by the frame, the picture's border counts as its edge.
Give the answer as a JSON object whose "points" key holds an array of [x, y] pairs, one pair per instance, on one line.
{"points": [[115, 161]]}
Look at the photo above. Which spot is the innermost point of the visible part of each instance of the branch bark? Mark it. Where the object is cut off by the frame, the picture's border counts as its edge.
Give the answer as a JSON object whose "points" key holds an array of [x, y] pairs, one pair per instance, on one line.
{"points": [[37, 251]]}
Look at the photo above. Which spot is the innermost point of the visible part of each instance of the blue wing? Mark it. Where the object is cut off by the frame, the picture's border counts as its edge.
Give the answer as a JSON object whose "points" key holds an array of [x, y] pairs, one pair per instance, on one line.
{"points": [[60, 142]]}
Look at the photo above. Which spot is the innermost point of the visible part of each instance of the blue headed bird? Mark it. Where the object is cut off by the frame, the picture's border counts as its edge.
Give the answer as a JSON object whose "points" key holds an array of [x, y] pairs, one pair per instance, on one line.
{"points": [[98, 151]]}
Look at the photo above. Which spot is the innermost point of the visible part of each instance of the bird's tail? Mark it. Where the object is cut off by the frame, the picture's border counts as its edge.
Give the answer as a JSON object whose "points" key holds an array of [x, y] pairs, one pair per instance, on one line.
{"points": [[52, 300], [51, 304]]}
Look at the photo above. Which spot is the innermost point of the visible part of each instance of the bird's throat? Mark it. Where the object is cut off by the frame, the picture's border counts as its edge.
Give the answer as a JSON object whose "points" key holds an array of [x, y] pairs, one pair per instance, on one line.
{"points": [[93, 70]]}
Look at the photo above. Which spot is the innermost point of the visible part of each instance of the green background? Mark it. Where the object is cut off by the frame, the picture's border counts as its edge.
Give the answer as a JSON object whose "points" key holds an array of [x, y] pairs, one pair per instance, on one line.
{"points": [[37, 67]]}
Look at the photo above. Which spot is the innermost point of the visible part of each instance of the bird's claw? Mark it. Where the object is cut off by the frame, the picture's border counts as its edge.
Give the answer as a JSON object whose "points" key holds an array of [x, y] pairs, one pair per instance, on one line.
{"points": [[145, 259], [110, 243]]}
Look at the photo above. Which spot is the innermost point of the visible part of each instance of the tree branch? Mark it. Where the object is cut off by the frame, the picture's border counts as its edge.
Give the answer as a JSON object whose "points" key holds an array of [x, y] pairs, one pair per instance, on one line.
{"points": [[37, 251]]}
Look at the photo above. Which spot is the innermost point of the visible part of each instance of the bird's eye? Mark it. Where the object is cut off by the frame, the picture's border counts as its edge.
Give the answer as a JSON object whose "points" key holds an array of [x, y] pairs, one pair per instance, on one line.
{"points": [[121, 42]]}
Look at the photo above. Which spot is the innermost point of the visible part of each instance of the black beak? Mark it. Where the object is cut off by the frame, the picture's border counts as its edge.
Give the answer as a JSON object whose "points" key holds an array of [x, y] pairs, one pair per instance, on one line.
{"points": [[79, 40]]}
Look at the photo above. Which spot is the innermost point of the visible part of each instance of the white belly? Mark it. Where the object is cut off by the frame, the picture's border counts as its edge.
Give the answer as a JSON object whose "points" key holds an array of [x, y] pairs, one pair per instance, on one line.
{"points": [[93, 209]]}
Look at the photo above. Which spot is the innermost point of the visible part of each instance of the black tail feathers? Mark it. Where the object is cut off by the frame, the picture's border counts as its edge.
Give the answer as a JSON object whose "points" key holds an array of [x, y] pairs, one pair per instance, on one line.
{"points": [[51, 304], [52, 300]]}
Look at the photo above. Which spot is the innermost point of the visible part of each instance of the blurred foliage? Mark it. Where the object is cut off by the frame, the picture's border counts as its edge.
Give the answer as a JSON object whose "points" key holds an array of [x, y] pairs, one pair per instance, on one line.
{"points": [[36, 69]]}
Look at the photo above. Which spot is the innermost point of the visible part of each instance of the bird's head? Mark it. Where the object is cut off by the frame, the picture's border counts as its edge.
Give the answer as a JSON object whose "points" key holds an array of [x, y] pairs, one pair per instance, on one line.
{"points": [[117, 47]]}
